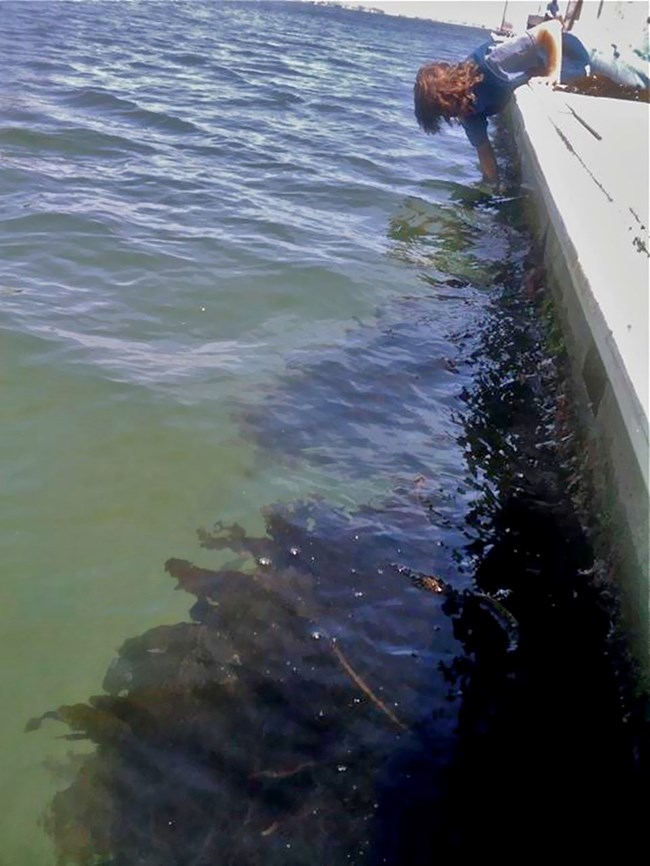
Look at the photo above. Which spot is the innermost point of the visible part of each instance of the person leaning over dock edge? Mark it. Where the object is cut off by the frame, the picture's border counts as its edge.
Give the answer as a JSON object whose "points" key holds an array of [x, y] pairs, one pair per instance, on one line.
{"points": [[480, 86]]}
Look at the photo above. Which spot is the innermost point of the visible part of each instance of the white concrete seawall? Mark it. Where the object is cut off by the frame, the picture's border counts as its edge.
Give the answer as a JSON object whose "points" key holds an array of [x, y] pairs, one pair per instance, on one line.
{"points": [[585, 160]]}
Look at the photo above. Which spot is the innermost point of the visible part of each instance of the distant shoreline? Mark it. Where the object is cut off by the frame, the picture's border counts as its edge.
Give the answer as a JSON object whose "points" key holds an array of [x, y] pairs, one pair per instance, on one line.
{"points": [[389, 7]]}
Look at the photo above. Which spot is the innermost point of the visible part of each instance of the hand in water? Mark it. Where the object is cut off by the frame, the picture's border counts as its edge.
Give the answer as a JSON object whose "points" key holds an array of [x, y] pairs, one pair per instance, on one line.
{"points": [[490, 188]]}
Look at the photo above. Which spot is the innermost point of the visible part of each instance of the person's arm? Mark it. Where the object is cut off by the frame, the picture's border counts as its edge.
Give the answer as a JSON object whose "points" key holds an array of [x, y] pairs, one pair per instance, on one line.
{"points": [[548, 36], [475, 126], [488, 162]]}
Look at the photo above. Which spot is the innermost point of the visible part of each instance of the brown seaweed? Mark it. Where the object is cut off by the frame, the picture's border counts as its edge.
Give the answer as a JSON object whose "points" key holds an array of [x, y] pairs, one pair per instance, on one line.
{"points": [[244, 735], [599, 85]]}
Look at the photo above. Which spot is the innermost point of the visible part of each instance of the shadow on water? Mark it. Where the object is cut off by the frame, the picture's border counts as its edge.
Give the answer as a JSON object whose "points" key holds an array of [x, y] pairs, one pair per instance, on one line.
{"points": [[433, 674], [550, 751]]}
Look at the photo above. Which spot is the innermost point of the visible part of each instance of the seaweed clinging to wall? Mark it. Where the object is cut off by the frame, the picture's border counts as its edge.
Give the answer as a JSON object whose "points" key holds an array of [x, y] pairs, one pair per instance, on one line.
{"points": [[565, 730]]}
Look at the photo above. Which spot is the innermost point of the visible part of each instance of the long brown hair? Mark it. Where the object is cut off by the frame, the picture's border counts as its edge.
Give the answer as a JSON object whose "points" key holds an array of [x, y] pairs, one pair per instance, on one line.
{"points": [[444, 91]]}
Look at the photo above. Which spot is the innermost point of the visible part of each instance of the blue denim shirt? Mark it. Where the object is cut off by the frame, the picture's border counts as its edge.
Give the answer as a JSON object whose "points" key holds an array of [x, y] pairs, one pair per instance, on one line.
{"points": [[506, 67]]}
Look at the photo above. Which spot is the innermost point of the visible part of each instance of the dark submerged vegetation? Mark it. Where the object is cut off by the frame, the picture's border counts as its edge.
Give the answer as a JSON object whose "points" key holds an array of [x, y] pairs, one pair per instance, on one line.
{"points": [[344, 692]]}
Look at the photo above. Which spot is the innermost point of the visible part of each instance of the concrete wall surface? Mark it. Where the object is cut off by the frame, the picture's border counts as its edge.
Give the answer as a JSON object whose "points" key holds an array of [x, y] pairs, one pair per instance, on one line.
{"points": [[586, 162]]}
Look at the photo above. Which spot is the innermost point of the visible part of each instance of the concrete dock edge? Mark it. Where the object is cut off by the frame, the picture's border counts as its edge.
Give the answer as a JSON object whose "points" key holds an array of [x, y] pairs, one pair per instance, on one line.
{"points": [[585, 161]]}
